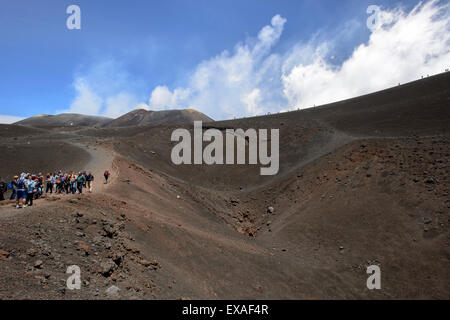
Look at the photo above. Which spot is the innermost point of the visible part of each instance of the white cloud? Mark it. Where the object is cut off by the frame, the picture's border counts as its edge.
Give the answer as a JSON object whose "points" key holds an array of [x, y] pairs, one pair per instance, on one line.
{"points": [[143, 105], [412, 45], [119, 104], [252, 102], [162, 98], [106, 89], [253, 80], [229, 84], [87, 101], [5, 119]]}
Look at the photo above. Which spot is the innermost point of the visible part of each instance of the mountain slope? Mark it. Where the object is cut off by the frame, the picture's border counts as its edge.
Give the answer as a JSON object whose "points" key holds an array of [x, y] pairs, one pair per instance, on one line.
{"points": [[64, 120], [362, 182], [142, 117]]}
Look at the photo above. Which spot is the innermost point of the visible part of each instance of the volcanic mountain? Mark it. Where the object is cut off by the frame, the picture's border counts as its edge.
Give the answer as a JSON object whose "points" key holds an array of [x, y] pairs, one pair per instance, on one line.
{"points": [[65, 120], [139, 117], [142, 117], [362, 182]]}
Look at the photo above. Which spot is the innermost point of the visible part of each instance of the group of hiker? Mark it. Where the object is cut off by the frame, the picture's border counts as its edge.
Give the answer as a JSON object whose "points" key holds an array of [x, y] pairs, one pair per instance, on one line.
{"points": [[28, 187]]}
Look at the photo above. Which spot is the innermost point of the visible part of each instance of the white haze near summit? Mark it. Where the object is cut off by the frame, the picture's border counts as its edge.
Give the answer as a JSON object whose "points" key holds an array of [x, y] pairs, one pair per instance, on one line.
{"points": [[5, 119], [253, 80]]}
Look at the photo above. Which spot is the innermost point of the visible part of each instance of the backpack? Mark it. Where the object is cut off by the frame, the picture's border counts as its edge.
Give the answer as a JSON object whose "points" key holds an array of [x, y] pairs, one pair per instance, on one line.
{"points": [[20, 184], [10, 186]]}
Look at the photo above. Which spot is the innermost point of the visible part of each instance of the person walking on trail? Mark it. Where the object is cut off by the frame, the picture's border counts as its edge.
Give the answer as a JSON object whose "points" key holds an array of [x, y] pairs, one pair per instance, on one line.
{"points": [[85, 179], [80, 182], [3, 189], [53, 179], [21, 194], [13, 187], [61, 184], [49, 182], [30, 184], [73, 183], [67, 184], [63, 179], [39, 186], [106, 175], [89, 181], [58, 185]]}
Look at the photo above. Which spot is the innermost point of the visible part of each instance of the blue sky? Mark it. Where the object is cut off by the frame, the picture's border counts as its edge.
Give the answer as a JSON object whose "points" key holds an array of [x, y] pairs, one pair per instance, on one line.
{"points": [[153, 54]]}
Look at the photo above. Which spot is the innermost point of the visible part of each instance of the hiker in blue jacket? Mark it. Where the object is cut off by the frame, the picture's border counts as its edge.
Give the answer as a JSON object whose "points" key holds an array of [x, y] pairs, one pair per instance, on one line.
{"points": [[13, 187], [31, 185], [21, 192]]}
